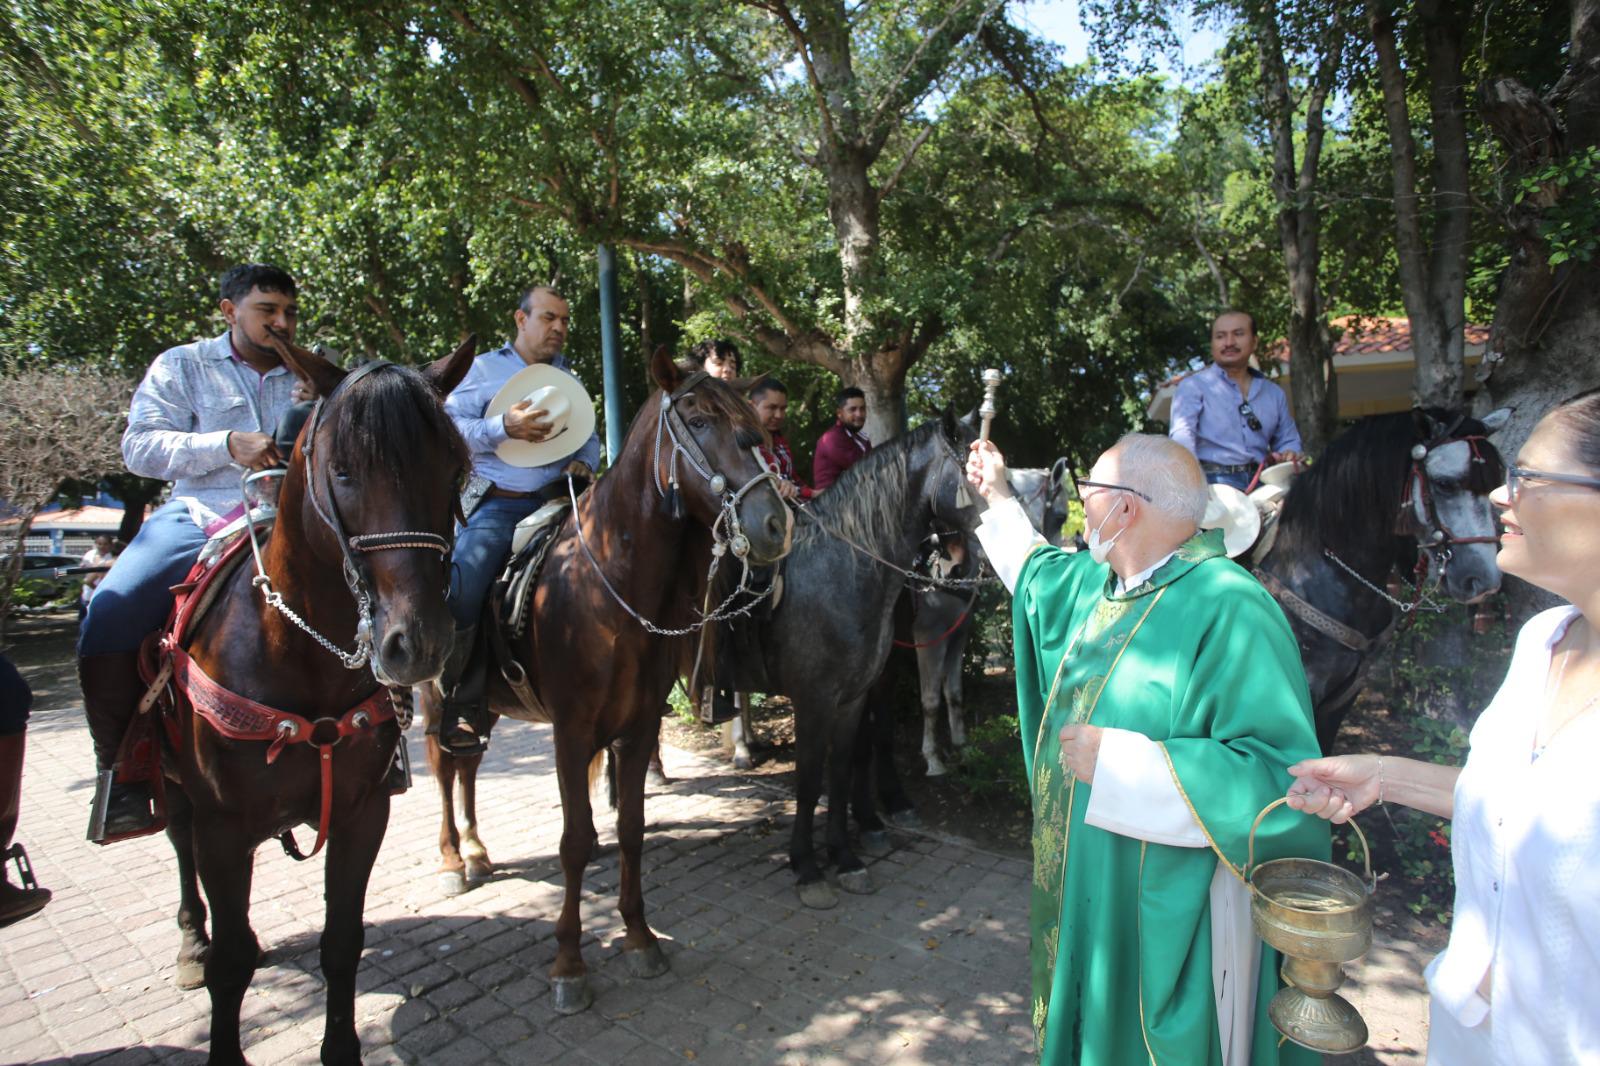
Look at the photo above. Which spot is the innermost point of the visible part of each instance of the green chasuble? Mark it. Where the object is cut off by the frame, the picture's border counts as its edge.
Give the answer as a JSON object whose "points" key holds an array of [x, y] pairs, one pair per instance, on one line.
{"points": [[1199, 659]]}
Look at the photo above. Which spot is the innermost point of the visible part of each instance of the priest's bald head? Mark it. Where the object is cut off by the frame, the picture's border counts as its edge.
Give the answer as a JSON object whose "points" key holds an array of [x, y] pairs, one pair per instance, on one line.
{"points": [[1144, 496]]}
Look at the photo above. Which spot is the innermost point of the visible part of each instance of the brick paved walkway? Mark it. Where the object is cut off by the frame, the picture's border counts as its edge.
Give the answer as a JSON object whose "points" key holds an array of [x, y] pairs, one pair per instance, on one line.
{"points": [[931, 969]]}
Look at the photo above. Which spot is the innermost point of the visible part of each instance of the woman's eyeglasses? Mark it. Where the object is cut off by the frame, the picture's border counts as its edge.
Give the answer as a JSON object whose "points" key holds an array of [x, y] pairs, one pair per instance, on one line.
{"points": [[1516, 475], [1080, 484], [1250, 418]]}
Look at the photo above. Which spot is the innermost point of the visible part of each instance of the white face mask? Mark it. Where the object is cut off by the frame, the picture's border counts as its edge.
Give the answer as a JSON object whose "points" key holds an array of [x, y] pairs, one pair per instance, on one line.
{"points": [[1100, 550]]}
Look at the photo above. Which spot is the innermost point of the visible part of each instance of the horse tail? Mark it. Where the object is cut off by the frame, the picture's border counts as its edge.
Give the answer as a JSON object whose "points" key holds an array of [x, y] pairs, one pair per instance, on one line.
{"points": [[594, 766], [611, 778]]}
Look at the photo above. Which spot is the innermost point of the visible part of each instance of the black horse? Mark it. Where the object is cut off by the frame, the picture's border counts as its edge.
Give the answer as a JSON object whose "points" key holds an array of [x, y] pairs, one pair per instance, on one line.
{"points": [[1405, 492], [831, 632]]}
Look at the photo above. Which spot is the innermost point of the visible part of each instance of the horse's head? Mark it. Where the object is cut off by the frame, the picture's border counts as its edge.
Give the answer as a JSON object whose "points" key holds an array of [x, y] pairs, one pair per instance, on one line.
{"points": [[707, 459], [1453, 468], [380, 465], [953, 503]]}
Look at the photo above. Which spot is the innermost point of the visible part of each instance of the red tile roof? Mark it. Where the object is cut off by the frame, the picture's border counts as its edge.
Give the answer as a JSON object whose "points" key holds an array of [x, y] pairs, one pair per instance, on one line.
{"points": [[1366, 334]]}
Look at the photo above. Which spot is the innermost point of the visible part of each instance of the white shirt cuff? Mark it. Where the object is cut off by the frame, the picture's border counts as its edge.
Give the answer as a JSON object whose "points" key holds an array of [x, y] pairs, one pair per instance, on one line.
{"points": [[1134, 794], [1007, 537]]}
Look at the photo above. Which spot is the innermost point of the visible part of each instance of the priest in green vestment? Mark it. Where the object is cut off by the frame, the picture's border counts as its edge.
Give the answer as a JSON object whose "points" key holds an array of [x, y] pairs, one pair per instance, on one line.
{"points": [[1161, 700]]}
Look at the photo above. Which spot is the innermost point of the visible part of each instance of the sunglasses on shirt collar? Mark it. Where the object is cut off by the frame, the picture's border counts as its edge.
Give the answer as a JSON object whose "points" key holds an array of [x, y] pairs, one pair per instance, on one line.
{"points": [[1250, 418]]}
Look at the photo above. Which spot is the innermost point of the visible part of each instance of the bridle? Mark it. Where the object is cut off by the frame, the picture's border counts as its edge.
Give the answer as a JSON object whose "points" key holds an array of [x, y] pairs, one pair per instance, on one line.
{"points": [[349, 546], [1418, 516], [727, 532]]}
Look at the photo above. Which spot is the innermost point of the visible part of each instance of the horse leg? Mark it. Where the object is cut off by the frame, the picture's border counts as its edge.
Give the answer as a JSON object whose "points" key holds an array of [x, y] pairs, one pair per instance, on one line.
{"points": [[744, 734], [863, 807], [479, 868], [191, 905], [954, 701], [879, 726], [928, 664], [853, 876], [811, 753], [353, 844], [452, 870], [569, 981], [641, 949], [223, 858]]}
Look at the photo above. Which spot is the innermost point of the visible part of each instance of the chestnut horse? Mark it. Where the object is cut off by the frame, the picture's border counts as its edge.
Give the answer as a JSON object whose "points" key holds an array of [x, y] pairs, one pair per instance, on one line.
{"points": [[379, 466], [614, 618]]}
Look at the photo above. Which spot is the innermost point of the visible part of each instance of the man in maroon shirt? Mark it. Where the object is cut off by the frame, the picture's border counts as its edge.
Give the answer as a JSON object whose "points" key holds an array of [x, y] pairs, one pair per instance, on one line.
{"points": [[771, 401], [843, 445]]}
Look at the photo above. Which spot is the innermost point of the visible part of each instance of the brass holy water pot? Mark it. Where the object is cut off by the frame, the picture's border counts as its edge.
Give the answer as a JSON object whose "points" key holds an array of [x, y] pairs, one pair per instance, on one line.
{"points": [[1318, 915]]}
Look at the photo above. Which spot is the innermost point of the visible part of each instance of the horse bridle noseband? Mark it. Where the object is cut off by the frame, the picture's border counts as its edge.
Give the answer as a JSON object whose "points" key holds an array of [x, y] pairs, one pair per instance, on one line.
{"points": [[363, 543]]}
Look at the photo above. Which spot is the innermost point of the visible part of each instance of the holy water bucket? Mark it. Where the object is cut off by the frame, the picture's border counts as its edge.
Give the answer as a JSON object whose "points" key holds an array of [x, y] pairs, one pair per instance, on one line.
{"points": [[1319, 916]]}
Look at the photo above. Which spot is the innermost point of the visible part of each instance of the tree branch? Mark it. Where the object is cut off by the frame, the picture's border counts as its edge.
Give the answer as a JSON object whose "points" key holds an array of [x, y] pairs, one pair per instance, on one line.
{"points": [[905, 160], [780, 10]]}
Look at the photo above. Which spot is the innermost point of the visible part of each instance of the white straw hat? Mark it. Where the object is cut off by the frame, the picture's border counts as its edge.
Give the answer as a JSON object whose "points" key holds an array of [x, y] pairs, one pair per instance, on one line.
{"points": [[566, 404], [1232, 512]]}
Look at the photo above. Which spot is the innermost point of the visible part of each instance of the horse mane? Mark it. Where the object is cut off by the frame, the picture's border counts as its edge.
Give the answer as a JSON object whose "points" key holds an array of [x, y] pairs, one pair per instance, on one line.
{"points": [[725, 401], [1363, 473], [867, 503], [378, 421]]}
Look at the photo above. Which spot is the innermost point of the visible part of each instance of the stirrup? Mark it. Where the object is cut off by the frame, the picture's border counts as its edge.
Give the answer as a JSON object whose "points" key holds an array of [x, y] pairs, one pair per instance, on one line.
{"points": [[18, 855], [100, 812], [398, 777], [477, 746]]}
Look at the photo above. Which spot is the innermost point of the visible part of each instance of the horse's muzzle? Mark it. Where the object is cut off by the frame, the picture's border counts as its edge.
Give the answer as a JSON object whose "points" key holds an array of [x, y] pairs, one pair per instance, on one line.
{"points": [[768, 526], [409, 650]]}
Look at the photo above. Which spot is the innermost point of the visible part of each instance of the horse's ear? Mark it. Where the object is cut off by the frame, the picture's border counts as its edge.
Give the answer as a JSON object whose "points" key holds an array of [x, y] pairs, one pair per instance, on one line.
{"points": [[445, 374], [1497, 419], [1423, 423], [307, 365], [667, 374], [948, 426]]}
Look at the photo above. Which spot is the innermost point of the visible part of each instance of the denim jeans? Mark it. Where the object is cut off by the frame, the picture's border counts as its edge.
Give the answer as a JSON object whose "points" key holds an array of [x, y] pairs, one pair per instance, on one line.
{"points": [[482, 547], [1238, 481], [135, 597]]}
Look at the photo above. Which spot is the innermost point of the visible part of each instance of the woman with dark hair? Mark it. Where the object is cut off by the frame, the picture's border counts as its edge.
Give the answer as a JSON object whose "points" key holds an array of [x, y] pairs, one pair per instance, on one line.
{"points": [[1517, 981]]}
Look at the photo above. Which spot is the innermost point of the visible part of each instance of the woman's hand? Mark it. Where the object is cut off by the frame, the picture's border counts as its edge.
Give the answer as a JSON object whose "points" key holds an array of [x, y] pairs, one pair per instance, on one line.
{"points": [[1336, 788]]}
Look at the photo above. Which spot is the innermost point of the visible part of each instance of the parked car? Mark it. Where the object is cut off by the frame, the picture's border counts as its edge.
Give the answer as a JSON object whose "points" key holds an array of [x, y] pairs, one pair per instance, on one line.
{"points": [[43, 579]]}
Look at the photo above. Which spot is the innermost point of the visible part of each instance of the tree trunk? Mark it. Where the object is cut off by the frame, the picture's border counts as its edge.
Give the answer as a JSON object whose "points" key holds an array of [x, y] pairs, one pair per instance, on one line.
{"points": [[12, 571], [883, 379], [1546, 327], [1432, 277], [1294, 187]]}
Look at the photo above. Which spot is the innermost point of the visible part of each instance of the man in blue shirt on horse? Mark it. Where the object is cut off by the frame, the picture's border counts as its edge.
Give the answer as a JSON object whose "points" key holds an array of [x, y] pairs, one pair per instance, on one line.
{"points": [[203, 413], [1229, 415], [515, 492]]}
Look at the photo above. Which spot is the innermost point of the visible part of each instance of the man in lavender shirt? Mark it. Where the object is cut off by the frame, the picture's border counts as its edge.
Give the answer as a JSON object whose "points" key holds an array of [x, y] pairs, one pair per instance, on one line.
{"points": [[1229, 415], [484, 543], [203, 413]]}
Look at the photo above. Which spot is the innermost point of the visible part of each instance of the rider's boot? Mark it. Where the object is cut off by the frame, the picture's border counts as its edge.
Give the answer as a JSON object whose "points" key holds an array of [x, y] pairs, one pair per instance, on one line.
{"points": [[16, 902], [111, 691], [464, 711]]}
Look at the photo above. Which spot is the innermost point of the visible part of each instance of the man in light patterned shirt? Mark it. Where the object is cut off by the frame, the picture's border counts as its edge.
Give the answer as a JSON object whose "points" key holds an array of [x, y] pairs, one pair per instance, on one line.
{"points": [[204, 412]]}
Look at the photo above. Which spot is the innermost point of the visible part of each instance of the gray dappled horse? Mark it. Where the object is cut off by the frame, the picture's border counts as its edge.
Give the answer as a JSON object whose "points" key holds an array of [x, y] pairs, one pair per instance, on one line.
{"points": [[1404, 492], [830, 634]]}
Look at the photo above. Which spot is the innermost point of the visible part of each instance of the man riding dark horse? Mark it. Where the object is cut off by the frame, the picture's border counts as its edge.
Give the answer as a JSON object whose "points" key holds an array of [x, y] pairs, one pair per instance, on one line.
{"points": [[203, 411], [506, 492]]}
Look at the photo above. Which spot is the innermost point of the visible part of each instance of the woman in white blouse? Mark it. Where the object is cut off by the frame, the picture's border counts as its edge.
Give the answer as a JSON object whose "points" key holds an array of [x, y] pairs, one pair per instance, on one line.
{"points": [[1519, 981]]}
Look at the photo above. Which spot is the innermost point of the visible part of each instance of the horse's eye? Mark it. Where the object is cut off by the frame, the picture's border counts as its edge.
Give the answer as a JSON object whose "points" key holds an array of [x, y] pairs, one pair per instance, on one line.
{"points": [[698, 423], [341, 475]]}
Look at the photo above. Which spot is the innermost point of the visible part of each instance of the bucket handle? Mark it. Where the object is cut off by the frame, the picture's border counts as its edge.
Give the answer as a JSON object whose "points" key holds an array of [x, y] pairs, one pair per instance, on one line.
{"points": [[1250, 857]]}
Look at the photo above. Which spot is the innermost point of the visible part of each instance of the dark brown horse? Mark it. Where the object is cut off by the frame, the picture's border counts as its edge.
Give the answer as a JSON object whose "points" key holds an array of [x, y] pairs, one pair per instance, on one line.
{"points": [[613, 621], [364, 519]]}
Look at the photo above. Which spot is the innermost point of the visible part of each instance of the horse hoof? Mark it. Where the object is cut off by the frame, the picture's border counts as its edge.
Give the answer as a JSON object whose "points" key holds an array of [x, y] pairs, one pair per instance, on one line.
{"points": [[936, 768], [857, 882], [743, 761], [452, 882], [656, 779], [479, 872], [875, 842], [818, 895], [191, 974], [906, 819], [570, 995], [646, 962]]}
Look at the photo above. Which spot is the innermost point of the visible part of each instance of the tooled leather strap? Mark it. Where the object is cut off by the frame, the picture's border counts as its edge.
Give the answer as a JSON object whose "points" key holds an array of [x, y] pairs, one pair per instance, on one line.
{"points": [[241, 718], [1350, 637]]}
